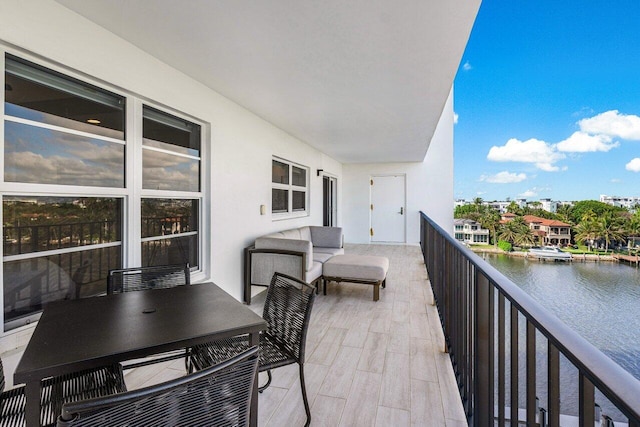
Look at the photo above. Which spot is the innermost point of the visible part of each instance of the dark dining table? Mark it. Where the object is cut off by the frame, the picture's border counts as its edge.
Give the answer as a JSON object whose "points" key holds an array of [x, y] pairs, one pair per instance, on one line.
{"points": [[74, 335]]}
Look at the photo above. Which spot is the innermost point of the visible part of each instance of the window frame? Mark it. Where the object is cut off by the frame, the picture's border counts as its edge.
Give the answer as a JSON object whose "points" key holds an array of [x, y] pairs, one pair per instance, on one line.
{"points": [[290, 188], [132, 192]]}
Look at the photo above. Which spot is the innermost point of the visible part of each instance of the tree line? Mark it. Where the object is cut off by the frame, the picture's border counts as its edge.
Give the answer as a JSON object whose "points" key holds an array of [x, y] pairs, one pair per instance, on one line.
{"points": [[593, 223]]}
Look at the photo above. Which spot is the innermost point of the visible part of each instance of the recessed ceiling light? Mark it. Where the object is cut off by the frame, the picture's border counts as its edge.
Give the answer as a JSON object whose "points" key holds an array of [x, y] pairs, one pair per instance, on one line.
{"points": [[94, 121]]}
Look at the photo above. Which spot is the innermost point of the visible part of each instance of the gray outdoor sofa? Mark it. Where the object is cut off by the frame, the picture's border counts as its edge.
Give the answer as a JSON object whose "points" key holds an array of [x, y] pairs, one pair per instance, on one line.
{"points": [[299, 252]]}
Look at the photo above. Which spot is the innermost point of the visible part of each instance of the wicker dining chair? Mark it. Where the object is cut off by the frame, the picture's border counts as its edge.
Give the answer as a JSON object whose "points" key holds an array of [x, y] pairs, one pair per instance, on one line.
{"points": [[216, 396], [146, 278], [287, 310], [143, 278], [56, 391]]}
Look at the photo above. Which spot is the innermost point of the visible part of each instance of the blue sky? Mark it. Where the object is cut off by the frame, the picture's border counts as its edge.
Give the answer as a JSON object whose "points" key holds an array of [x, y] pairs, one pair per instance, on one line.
{"points": [[547, 100]]}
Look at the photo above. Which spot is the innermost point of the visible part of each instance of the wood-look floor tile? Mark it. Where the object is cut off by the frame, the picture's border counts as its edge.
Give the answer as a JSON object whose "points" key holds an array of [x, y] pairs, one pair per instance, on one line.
{"points": [[395, 391], [326, 411], [388, 417], [328, 347], [423, 363], [362, 403], [338, 381], [374, 352], [426, 404]]}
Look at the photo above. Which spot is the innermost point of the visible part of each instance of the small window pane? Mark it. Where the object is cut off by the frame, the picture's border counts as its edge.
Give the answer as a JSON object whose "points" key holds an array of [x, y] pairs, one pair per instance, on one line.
{"points": [[163, 217], [279, 172], [164, 171], [299, 176], [177, 134], [35, 224], [173, 251], [299, 201], [173, 218], [31, 283], [39, 89], [279, 200], [45, 156]]}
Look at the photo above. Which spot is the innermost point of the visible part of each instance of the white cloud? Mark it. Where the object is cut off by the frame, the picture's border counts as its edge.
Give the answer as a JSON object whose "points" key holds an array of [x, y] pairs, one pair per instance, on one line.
{"points": [[527, 194], [455, 118], [614, 124], [467, 66], [581, 142], [504, 178], [633, 165], [535, 151], [615, 180]]}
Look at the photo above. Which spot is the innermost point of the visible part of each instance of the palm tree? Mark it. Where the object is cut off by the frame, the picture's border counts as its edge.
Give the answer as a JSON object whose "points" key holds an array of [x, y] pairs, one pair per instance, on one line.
{"points": [[610, 229], [587, 232], [490, 219], [517, 232]]}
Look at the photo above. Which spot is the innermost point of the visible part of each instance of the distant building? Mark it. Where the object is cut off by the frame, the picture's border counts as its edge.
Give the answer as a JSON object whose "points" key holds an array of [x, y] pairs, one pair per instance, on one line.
{"points": [[623, 202], [549, 231], [470, 232], [549, 205]]}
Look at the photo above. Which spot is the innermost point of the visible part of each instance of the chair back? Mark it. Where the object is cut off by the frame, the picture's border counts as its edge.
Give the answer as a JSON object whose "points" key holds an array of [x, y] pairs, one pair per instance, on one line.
{"points": [[142, 278], [287, 310], [2, 383], [216, 396]]}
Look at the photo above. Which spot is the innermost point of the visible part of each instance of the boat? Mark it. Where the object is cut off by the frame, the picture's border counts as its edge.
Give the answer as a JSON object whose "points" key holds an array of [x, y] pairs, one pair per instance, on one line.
{"points": [[549, 252]]}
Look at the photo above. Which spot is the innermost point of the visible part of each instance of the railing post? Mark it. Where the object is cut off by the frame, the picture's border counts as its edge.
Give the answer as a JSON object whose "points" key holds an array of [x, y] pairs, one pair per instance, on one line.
{"points": [[532, 408], [586, 402], [553, 381], [484, 352], [514, 366]]}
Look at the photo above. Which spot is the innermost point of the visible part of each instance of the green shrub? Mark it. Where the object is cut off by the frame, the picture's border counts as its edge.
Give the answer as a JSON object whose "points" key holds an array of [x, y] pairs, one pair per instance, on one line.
{"points": [[504, 245]]}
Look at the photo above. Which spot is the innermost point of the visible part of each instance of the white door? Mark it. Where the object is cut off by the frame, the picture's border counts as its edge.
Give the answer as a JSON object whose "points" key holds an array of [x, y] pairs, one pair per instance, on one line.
{"points": [[387, 208]]}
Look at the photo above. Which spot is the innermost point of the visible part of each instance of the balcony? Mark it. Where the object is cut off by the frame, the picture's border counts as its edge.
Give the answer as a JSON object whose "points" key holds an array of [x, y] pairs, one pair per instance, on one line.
{"points": [[368, 363]]}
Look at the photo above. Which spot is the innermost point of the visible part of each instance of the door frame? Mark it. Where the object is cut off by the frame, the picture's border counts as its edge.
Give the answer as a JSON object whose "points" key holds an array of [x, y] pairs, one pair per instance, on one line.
{"points": [[372, 177], [333, 180]]}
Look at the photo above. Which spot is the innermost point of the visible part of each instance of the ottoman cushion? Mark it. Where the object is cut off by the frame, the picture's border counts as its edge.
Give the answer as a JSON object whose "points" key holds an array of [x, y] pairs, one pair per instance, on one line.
{"points": [[362, 267]]}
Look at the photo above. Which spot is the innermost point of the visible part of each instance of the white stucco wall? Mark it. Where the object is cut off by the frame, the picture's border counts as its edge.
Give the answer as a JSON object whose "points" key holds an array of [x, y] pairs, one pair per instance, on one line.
{"points": [[241, 144], [429, 186]]}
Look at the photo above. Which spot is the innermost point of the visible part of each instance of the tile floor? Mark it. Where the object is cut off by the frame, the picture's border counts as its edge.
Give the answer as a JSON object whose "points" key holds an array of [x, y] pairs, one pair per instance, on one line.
{"points": [[368, 363]]}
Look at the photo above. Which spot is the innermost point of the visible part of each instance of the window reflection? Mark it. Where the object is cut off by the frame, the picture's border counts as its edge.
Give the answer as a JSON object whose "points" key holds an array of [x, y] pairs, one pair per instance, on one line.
{"points": [[279, 200], [279, 172], [171, 152], [162, 171], [170, 232], [36, 88], [57, 248], [44, 156]]}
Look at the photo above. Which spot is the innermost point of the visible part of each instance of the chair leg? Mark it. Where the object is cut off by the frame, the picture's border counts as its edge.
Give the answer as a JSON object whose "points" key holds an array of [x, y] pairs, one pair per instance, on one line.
{"points": [[264, 387], [304, 396]]}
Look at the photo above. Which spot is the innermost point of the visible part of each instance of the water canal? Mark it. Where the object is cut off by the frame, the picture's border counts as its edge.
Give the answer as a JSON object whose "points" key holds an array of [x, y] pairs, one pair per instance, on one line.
{"points": [[599, 300]]}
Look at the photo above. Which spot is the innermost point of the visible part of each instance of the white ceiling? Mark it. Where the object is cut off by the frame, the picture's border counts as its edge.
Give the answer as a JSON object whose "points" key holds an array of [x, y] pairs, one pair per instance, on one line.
{"points": [[361, 80]]}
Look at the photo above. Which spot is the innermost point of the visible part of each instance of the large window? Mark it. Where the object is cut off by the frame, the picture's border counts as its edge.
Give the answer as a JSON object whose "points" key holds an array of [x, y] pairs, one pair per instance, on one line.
{"points": [[289, 192], [70, 178]]}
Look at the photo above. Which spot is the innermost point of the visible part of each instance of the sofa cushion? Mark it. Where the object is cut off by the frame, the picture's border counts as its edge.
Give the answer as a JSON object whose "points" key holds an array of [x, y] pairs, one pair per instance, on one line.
{"points": [[305, 233], [327, 237], [287, 245], [314, 272], [321, 257], [329, 251], [294, 233]]}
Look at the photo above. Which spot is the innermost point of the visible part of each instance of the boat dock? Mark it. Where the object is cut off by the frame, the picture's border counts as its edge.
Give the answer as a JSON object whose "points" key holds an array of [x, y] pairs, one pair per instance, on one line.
{"points": [[631, 259]]}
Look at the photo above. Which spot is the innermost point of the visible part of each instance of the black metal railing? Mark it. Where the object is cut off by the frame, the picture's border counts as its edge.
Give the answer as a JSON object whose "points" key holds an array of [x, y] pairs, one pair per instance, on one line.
{"points": [[490, 324]]}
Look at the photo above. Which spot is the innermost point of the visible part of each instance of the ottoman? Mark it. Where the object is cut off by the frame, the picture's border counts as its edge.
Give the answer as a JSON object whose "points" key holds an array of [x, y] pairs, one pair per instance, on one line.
{"points": [[366, 269]]}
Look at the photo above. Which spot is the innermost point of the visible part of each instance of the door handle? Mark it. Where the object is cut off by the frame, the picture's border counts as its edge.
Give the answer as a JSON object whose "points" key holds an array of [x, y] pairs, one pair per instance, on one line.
{"points": [[401, 211]]}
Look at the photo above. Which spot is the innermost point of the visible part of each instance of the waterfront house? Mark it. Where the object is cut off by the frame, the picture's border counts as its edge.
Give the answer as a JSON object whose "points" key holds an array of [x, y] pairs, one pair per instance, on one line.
{"points": [[550, 232], [470, 232]]}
